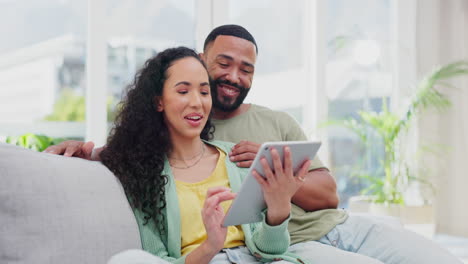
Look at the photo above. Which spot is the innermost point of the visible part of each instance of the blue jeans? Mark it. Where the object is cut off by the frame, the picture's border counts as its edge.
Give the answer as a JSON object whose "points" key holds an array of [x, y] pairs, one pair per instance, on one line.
{"points": [[363, 235], [225, 256], [311, 252], [359, 240]]}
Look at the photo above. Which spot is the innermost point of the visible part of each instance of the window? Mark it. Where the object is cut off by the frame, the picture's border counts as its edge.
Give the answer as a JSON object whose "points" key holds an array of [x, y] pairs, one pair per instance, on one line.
{"points": [[358, 77], [42, 67], [137, 31], [279, 81], [43, 63]]}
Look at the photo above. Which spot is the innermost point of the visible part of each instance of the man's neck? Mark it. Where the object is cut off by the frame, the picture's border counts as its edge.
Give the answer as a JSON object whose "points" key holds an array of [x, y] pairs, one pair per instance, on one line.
{"points": [[221, 115]]}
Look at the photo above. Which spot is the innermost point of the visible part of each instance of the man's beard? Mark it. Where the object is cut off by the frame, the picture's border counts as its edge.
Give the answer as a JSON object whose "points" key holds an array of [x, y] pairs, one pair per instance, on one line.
{"points": [[224, 104]]}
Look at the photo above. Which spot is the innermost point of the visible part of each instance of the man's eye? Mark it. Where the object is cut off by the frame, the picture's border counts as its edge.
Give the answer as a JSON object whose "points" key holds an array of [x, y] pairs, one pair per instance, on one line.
{"points": [[224, 64]]}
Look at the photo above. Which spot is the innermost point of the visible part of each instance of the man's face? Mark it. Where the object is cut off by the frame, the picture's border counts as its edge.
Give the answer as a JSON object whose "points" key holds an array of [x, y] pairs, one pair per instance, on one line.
{"points": [[230, 62]]}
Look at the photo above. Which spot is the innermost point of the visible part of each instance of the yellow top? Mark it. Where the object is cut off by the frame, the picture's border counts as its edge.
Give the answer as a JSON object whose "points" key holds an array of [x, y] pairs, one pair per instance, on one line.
{"points": [[191, 200]]}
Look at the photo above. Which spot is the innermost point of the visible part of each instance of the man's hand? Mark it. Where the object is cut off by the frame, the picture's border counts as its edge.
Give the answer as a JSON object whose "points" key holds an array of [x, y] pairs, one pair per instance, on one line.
{"points": [[73, 148], [244, 153], [318, 191]]}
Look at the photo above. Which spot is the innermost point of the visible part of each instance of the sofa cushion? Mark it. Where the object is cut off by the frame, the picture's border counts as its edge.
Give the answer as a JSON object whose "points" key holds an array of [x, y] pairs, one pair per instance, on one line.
{"points": [[61, 210]]}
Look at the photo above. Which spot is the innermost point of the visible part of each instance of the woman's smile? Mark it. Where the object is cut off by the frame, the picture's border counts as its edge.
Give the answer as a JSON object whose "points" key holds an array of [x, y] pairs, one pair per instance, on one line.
{"points": [[194, 119]]}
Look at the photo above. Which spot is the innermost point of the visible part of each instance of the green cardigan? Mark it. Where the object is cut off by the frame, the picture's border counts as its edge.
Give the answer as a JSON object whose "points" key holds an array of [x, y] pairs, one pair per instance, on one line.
{"points": [[265, 242]]}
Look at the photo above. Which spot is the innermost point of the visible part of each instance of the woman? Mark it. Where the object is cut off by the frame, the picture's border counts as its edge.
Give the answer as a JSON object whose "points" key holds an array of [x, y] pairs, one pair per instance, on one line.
{"points": [[161, 153]]}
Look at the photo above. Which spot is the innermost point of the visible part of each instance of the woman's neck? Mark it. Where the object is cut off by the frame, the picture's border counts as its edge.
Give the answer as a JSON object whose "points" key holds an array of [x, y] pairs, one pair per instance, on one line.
{"points": [[186, 149]]}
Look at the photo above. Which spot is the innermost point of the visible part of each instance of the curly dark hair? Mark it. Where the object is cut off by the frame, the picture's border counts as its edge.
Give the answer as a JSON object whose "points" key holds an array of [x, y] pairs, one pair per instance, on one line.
{"points": [[139, 141]]}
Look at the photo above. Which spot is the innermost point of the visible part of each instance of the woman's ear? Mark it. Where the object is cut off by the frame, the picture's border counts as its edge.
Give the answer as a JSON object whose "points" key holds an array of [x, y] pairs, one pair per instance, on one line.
{"points": [[159, 105]]}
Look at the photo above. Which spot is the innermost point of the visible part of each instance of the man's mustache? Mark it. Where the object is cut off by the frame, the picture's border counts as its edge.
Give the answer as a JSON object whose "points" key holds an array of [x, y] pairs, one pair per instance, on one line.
{"points": [[226, 82]]}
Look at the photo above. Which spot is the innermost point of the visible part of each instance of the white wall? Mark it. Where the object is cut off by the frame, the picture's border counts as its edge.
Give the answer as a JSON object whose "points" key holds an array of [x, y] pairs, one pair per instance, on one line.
{"points": [[442, 37]]}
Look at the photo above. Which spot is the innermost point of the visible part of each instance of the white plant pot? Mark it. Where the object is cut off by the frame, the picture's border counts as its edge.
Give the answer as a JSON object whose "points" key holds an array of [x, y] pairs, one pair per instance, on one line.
{"points": [[408, 214], [359, 204]]}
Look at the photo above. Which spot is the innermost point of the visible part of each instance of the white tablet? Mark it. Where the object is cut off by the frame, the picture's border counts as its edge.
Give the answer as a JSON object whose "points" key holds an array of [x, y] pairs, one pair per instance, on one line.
{"points": [[247, 207]]}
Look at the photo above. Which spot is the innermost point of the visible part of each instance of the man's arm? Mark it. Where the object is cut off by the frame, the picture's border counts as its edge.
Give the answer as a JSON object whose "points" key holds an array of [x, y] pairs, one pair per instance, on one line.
{"points": [[318, 191], [73, 148]]}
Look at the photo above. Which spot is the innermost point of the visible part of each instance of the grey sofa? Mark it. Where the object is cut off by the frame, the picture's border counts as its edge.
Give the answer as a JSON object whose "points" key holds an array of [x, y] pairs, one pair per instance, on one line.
{"points": [[61, 210]]}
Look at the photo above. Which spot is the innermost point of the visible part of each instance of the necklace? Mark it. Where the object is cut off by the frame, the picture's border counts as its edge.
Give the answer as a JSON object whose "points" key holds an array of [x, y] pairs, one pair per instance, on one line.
{"points": [[191, 158], [202, 152]]}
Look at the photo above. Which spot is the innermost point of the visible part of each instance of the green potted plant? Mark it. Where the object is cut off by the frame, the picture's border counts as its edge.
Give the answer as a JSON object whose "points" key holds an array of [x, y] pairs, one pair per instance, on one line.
{"points": [[32, 141], [387, 185]]}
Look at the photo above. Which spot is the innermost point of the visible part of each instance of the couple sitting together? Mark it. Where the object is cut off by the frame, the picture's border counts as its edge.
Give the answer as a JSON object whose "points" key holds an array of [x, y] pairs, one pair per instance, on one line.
{"points": [[180, 182]]}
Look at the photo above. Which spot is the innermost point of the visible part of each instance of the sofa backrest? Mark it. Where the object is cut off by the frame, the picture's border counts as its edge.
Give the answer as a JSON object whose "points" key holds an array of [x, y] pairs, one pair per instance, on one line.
{"points": [[55, 209]]}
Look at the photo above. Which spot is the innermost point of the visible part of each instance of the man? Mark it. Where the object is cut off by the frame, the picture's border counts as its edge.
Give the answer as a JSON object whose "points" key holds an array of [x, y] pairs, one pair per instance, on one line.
{"points": [[230, 53]]}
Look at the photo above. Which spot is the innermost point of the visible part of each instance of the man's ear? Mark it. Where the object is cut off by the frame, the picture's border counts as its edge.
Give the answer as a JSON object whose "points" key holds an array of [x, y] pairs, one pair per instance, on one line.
{"points": [[158, 103], [202, 56]]}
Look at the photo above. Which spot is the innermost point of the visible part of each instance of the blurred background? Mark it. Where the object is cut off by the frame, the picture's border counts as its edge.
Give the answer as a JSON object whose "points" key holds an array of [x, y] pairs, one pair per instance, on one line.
{"points": [[350, 72]]}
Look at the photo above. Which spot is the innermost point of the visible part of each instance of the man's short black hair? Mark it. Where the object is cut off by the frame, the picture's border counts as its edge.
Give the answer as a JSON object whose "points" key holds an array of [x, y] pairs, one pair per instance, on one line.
{"points": [[230, 30]]}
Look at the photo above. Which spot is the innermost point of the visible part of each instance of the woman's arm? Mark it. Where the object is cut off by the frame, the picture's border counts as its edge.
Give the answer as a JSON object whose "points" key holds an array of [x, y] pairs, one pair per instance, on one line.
{"points": [[269, 239], [151, 239], [278, 185]]}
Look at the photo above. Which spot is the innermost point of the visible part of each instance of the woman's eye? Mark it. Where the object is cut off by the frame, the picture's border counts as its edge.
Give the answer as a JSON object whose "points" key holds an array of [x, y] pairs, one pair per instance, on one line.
{"points": [[182, 92], [205, 93]]}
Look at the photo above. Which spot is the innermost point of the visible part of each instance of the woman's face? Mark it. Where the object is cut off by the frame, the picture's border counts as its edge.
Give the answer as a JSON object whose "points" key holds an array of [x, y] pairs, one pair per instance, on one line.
{"points": [[186, 100]]}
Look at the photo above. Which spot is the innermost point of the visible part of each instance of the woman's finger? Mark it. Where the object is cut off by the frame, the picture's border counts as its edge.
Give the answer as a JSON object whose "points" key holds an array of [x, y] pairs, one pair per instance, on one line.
{"points": [[267, 170], [214, 200], [300, 175], [288, 162], [214, 190], [277, 164], [259, 179]]}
